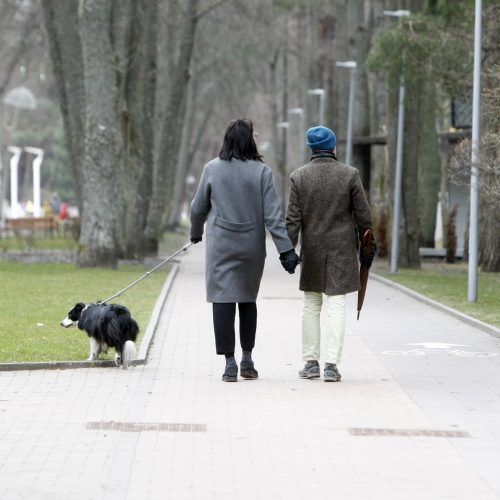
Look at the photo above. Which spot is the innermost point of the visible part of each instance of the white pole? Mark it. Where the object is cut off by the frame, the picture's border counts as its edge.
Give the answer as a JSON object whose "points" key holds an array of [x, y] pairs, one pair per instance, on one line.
{"points": [[14, 162], [322, 108], [321, 94], [398, 182], [474, 191], [37, 162]]}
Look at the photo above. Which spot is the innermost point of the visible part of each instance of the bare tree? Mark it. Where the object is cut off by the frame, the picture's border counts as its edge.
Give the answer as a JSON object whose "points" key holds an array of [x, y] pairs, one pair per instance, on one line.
{"points": [[108, 91], [171, 132]]}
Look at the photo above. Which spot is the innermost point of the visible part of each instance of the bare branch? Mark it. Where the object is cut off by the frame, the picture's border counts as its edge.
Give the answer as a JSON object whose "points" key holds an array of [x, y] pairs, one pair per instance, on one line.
{"points": [[209, 7], [17, 51]]}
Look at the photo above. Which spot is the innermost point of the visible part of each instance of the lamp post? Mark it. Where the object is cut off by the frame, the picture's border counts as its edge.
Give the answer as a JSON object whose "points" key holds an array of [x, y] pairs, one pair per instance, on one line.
{"points": [[352, 65], [321, 94], [17, 98], [300, 113], [14, 197], [398, 181], [474, 189], [284, 161], [37, 163]]}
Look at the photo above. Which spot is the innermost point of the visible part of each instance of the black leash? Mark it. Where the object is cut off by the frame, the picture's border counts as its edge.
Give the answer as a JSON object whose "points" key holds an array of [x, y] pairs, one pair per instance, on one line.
{"points": [[144, 276]]}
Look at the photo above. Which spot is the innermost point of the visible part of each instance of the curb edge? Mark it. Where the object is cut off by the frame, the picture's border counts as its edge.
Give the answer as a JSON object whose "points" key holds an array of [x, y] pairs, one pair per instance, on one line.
{"points": [[481, 325], [107, 363]]}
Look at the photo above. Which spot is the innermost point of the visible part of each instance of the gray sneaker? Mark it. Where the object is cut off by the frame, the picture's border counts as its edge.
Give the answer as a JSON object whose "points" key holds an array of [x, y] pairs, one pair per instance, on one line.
{"points": [[310, 370], [331, 373]]}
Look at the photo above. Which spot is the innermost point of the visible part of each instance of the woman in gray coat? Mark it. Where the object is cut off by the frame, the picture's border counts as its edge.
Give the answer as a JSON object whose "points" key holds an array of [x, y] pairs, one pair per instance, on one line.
{"points": [[237, 200]]}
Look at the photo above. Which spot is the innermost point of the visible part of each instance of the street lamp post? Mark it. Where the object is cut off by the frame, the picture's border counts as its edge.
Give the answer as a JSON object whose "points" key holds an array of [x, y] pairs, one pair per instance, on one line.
{"points": [[348, 147], [37, 163], [474, 188], [398, 181], [14, 197], [321, 94], [17, 98], [300, 113]]}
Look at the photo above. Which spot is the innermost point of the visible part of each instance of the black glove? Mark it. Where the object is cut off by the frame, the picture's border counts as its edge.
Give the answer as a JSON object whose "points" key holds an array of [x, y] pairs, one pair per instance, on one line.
{"points": [[195, 240], [290, 260], [367, 255]]}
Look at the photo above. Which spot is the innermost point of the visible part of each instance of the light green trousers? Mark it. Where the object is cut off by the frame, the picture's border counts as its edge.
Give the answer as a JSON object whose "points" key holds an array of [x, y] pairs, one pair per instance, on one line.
{"points": [[311, 329]]}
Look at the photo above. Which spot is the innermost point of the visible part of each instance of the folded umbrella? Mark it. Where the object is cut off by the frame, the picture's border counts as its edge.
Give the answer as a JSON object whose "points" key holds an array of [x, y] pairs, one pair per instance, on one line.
{"points": [[363, 269]]}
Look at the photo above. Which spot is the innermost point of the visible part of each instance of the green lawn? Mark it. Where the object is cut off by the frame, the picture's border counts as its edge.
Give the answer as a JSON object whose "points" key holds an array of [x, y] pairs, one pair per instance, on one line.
{"points": [[35, 298], [37, 242], [447, 283]]}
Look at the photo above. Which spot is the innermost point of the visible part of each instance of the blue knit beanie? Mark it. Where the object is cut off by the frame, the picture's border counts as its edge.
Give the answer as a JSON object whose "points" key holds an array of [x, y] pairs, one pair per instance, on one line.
{"points": [[321, 138]]}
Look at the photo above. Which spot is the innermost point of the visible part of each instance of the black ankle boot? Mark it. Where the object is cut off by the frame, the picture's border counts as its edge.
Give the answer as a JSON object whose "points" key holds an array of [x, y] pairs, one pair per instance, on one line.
{"points": [[231, 372], [247, 368]]}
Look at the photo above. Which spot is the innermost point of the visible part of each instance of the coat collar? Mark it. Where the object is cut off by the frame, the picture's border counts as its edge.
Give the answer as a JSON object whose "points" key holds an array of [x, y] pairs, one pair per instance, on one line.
{"points": [[323, 156], [323, 159]]}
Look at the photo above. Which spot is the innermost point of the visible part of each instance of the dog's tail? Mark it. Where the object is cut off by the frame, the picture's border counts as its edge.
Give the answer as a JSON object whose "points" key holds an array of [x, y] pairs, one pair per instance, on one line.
{"points": [[129, 353]]}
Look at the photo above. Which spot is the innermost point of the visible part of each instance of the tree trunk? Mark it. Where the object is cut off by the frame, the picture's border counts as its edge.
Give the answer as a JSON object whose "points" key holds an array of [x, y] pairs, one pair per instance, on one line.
{"points": [[489, 238], [283, 161], [358, 51], [103, 140], [409, 237], [381, 161], [170, 133], [314, 77], [430, 166], [273, 105], [124, 16], [139, 124], [61, 26]]}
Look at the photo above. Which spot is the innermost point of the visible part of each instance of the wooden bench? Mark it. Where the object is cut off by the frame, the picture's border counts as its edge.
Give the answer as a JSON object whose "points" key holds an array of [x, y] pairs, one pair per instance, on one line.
{"points": [[32, 224]]}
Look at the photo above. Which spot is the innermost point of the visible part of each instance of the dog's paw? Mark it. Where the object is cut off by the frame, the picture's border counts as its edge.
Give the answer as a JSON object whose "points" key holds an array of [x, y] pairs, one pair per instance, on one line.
{"points": [[118, 360]]}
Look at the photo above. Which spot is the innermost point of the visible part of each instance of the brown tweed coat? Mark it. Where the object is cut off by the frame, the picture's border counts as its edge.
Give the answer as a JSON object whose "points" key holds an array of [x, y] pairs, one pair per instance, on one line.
{"points": [[326, 201]]}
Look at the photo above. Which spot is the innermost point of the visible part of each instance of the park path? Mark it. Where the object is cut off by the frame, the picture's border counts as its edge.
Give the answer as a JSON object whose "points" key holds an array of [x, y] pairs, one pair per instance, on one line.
{"points": [[172, 430]]}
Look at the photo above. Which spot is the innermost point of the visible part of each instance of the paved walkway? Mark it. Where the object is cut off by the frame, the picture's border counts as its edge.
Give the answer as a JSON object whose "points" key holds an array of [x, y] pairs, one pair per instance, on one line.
{"points": [[406, 367]]}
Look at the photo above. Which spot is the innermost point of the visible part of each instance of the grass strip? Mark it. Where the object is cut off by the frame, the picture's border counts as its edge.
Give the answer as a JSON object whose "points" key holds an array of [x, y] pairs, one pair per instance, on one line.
{"points": [[34, 298], [447, 284]]}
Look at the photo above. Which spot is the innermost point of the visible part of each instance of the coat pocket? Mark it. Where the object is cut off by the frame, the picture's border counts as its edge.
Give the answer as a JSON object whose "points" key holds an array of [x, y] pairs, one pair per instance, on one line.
{"points": [[235, 226]]}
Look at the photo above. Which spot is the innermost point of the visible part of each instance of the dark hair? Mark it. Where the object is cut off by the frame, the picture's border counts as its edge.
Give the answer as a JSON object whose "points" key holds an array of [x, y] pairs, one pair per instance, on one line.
{"points": [[239, 142]]}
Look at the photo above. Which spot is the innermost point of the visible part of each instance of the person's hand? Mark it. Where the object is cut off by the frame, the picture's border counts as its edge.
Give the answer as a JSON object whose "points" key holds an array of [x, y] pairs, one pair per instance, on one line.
{"points": [[366, 257], [290, 260], [195, 240]]}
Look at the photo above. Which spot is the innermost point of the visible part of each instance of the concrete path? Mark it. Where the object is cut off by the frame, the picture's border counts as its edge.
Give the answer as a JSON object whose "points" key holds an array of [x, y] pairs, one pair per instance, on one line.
{"points": [[172, 430]]}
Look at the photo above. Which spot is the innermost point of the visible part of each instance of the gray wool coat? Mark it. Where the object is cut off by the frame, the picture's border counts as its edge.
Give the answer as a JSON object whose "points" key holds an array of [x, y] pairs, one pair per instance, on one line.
{"points": [[238, 201], [326, 201]]}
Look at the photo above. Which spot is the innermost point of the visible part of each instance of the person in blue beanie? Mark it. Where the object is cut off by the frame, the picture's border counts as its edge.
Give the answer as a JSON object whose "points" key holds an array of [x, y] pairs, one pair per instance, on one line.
{"points": [[326, 203]]}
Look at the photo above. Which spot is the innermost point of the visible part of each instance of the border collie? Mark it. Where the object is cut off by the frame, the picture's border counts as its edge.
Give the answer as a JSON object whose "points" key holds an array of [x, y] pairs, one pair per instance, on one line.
{"points": [[107, 326]]}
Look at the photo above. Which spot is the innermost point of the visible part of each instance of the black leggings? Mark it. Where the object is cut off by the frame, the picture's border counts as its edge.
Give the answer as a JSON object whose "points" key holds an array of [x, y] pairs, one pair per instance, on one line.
{"points": [[224, 314]]}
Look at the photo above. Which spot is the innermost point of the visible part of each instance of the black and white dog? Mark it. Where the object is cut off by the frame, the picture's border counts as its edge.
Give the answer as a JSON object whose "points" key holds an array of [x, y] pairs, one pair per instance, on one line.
{"points": [[107, 326]]}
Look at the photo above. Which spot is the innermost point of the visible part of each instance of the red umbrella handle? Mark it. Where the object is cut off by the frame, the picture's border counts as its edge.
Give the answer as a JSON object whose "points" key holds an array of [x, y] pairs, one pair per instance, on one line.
{"points": [[363, 271]]}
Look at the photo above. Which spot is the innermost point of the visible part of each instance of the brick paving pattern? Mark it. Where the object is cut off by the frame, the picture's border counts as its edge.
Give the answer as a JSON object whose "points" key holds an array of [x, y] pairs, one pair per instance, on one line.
{"points": [[406, 422]]}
